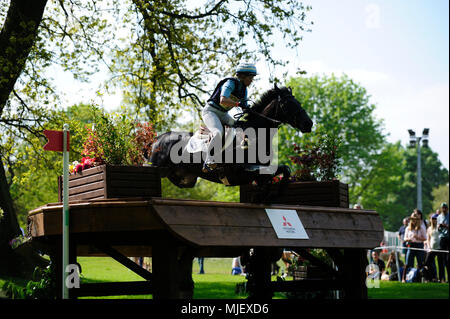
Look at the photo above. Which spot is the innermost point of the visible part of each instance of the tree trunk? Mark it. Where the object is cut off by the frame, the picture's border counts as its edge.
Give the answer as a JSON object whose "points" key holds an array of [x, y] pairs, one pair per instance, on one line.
{"points": [[9, 227], [17, 38]]}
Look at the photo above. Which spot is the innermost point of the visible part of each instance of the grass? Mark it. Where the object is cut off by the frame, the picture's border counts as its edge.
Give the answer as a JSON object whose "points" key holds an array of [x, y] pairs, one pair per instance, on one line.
{"points": [[397, 290], [218, 283]]}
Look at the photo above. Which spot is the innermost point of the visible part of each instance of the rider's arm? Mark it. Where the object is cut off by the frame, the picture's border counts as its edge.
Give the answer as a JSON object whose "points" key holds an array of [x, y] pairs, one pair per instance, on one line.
{"points": [[227, 102], [226, 99]]}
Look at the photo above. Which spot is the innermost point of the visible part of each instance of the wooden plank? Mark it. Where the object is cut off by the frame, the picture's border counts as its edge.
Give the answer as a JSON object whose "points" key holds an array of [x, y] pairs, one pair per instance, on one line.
{"points": [[125, 261], [85, 188], [215, 224], [99, 219], [36, 225], [87, 172], [204, 203], [89, 195], [251, 217], [133, 192], [81, 184], [331, 193], [266, 237], [137, 183], [135, 169], [130, 176], [86, 180], [126, 250]]}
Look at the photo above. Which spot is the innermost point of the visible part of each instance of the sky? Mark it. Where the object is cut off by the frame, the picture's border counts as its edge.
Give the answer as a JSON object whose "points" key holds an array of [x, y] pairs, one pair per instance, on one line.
{"points": [[397, 50]]}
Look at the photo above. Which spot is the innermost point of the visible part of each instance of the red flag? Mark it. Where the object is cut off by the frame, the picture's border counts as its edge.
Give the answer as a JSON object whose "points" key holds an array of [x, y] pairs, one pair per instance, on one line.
{"points": [[55, 140]]}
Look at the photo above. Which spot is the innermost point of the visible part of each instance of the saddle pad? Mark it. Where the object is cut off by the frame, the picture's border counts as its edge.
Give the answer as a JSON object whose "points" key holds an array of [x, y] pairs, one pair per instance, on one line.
{"points": [[199, 142]]}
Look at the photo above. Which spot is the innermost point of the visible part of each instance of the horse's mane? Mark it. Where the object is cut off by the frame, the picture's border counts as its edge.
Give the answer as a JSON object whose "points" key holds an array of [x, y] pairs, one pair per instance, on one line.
{"points": [[268, 97]]}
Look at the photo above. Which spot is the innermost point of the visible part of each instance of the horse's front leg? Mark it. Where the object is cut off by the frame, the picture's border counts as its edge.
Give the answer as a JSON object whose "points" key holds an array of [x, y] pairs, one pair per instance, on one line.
{"points": [[285, 170]]}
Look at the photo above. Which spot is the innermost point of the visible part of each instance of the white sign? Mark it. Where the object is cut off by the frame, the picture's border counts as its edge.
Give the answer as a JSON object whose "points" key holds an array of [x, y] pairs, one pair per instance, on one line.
{"points": [[286, 223]]}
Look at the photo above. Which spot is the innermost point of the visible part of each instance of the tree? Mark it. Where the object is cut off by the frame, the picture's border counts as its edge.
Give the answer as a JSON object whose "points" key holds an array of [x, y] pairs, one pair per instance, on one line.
{"points": [[391, 187], [17, 38], [433, 175], [339, 107], [381, 176], [440, 195], [167, 54]]}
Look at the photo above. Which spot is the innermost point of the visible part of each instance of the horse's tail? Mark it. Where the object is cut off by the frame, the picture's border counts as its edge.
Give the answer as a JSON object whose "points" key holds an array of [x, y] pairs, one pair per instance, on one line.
{"points": [[160, 155]]}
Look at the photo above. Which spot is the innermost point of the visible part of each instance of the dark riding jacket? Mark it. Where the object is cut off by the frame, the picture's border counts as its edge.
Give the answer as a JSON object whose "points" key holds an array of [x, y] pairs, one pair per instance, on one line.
{"points": [[238, 94]]}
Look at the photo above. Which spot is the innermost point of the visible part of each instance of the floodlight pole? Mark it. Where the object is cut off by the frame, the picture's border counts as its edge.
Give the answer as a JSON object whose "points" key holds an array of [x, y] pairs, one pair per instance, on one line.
{"points": [[419, 176], [415, 140]]}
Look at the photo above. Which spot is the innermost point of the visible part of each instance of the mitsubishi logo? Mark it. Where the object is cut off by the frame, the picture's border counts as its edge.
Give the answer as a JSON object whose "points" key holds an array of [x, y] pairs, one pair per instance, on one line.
{"points": [[286, 223]]}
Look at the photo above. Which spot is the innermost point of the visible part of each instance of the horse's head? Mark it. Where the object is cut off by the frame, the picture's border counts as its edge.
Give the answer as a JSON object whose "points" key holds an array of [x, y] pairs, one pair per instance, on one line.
{"points": [[291, 112], [281, 105]]}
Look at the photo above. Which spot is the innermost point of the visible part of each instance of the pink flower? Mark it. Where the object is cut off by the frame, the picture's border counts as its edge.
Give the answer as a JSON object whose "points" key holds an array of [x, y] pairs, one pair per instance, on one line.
{"points": [[78, 168]]}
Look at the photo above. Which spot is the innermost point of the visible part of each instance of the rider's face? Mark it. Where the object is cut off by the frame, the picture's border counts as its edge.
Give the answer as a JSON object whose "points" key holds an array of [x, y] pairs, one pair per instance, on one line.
{"points": [[248, 79]]}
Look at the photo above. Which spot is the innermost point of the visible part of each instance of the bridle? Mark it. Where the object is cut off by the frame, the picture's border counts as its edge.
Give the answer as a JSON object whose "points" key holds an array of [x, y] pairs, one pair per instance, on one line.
{"points": [[279, 106]]}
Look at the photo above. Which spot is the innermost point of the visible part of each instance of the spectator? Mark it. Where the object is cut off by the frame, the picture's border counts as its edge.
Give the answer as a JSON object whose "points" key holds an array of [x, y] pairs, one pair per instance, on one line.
{"points": [[236, 267], [442, 224], [392, 265], [433, 244], [401, 234], [415, 235], [375, 272], [425, 222], [201, 261]]}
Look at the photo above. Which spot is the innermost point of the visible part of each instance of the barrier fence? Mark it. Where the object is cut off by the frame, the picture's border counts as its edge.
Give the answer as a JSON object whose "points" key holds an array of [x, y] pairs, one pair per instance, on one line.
{"points": [[391, 242]]}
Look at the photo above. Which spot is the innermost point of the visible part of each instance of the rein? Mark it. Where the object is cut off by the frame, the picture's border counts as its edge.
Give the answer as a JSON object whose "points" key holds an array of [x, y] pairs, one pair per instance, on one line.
{"points": [[277, 106]]}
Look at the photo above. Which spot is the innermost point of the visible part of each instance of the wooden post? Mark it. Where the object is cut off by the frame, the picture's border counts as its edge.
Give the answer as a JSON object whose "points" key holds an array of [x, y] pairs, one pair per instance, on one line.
{"points": [[259, 280], [172, 271], [355, 262]]}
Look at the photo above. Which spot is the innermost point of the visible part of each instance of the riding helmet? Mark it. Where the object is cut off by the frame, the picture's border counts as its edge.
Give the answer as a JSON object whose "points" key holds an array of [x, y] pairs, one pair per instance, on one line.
{"points": [[246, 68]]}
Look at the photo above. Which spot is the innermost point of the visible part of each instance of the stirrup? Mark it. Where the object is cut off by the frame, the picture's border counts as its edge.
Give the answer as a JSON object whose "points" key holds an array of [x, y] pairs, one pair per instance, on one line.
{"points": [[209, 167]]}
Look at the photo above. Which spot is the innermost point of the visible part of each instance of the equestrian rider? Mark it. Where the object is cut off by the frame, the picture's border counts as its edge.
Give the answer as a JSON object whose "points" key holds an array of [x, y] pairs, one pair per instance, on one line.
{"points": [[229, 93]]}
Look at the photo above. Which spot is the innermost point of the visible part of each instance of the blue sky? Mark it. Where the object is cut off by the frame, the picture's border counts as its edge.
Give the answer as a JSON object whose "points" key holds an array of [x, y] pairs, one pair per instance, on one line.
{"points": [[398, 50]]}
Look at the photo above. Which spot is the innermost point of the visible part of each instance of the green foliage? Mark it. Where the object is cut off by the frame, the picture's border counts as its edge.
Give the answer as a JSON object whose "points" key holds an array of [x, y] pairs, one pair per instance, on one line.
{"points": [[178, 47], [440, 195], [381, 176], [42, 287], [117, 139], [203, 190], [318, 159], [390, 188], [340, 107]]}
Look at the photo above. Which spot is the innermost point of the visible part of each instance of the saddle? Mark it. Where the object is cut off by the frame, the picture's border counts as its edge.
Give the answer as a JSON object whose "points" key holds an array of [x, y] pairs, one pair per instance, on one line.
{"points": [[200, 140]]}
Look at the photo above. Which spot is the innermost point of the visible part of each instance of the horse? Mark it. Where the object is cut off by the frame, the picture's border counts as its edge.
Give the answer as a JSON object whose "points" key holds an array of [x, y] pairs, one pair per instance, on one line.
{"points": [[275, 107]]}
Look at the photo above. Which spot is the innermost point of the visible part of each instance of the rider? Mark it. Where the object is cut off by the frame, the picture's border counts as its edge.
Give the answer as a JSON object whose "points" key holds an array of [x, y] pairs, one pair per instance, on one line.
{"points": [[229, 93]]}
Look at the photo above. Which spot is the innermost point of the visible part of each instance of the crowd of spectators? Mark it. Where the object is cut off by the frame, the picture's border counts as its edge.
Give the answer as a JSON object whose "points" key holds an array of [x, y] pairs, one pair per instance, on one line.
{"points": [[423, 243]]}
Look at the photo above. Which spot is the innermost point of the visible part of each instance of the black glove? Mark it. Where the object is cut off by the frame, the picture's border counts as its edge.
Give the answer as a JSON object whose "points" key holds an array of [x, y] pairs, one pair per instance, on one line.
{"points": [[242, 104]]}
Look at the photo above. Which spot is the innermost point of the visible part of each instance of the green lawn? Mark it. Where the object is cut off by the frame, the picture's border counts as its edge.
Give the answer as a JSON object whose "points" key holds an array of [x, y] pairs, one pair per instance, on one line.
{"points": [[218, 283]]}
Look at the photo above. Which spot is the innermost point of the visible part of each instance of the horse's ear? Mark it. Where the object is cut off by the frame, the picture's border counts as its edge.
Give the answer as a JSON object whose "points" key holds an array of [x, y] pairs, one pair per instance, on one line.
{"points": [[275, 86], [290, 89]]}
